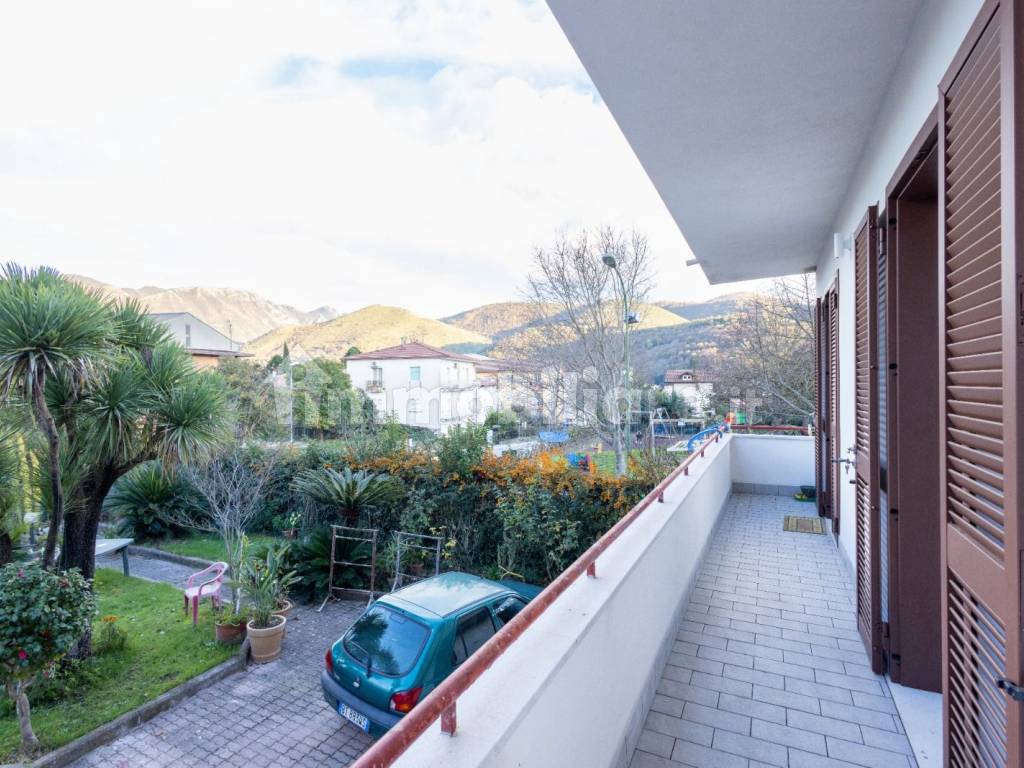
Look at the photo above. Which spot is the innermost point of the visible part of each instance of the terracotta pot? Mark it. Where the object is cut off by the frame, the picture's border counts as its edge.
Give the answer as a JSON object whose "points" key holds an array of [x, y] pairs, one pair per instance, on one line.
{"points": [[265, 644], [290, 533], [286, 609], [417, 569], [230, 634]]}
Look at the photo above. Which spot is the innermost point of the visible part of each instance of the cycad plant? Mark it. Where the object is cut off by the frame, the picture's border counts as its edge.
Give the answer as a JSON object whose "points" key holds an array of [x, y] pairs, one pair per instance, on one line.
{"points": [[351, 493], [145, 501]]}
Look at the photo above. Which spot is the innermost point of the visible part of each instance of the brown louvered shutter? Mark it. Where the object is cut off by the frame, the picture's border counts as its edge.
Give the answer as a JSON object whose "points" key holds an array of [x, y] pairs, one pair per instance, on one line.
{"points": [[865, 266], [981, 230], [835, 468], [820, 411]]}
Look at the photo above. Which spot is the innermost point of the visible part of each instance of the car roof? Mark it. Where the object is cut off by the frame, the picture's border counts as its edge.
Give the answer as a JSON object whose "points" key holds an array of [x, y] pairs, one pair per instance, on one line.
{"points": [[444, 594]]}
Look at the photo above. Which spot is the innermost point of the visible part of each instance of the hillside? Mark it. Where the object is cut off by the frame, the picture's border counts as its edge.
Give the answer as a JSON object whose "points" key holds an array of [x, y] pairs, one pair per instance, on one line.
{"points": [[241, 314], [510, 318], [495, 320], [698, 310], [368, 328]]}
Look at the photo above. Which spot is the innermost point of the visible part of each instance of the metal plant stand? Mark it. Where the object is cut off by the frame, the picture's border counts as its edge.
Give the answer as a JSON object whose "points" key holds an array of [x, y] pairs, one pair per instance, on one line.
{"points": [[414, 542], [362, 536]]}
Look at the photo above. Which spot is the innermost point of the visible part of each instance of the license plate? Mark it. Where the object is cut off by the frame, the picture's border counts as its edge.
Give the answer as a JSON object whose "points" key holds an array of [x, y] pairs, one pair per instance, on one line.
{"points": [[354, 717]]}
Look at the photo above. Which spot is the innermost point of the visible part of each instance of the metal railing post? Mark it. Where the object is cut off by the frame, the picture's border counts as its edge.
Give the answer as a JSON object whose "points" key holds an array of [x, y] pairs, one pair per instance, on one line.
{"points": [[448, 720]]}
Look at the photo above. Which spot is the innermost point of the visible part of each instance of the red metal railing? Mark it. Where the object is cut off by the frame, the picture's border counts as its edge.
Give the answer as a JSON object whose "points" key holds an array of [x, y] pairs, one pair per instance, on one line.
{"points": [[741, 428], [441, 701]]}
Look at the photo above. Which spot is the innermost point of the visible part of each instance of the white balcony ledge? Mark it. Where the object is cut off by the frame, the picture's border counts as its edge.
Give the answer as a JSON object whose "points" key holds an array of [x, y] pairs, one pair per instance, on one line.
{"points": [[710, 637]]}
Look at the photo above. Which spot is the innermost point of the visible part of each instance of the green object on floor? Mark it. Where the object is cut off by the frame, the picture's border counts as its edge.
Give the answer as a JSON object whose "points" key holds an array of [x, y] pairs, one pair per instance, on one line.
{"points": [[795, 524]]}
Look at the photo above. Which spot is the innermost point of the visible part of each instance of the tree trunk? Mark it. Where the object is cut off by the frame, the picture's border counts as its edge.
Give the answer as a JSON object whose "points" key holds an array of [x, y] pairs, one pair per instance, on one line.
{"points": [[80, 533], [6, 549], [49, 429], [29, 742]]}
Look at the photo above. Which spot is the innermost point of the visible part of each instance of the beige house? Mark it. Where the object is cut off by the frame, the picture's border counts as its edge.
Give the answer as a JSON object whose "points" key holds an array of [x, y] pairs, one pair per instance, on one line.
{"points": [[206, 344]]}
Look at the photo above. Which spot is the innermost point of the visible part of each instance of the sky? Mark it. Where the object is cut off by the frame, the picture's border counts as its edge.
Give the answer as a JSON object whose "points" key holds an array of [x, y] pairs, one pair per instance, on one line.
{"points": [[411, 153]]}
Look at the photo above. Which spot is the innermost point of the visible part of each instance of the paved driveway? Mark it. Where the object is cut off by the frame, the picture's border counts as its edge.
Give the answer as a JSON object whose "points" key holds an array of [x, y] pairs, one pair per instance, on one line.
{"points": [[268, 715]]}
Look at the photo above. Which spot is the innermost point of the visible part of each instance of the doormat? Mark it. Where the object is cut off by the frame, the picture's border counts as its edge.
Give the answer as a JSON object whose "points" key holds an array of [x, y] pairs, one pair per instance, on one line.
{"points": [[794, 524]]}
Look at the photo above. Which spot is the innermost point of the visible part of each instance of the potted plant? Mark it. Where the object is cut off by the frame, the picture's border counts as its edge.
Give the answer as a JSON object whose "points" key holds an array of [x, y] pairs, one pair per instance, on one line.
{"points": [[261, 581], [291, 529], [277, 557], [229, 625]]}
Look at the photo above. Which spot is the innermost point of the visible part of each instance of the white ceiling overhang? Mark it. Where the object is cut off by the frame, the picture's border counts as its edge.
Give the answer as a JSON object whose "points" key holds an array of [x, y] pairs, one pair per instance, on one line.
{"points": [[749, 116]]}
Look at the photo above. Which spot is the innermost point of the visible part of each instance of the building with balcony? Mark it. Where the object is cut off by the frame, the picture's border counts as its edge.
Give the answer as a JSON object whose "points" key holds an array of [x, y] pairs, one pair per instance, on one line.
{"points": [[880, 145], [420, 385]]}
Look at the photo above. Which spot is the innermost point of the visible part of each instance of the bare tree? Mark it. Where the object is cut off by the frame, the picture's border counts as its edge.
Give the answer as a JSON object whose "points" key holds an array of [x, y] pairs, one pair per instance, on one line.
{"points": [[578, 329], [232, 487], [767, 352]]}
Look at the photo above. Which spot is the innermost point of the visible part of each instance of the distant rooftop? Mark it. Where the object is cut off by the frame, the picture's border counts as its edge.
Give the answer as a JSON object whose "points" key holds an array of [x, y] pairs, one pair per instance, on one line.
{"points": [[684, 376], [414, 350]]}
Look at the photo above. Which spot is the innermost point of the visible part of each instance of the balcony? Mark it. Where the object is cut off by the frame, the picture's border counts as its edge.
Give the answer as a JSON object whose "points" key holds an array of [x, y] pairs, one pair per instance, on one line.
{"points": [[710, 637]]}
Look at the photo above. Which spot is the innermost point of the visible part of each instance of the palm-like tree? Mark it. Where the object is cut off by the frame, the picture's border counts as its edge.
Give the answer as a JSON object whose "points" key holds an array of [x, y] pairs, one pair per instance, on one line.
{"points": [[350, 492], [49, 327], [149, 402]]}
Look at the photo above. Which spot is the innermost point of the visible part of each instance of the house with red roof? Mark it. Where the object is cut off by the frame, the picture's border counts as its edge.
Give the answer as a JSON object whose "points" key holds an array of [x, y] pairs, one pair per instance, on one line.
{"points": [[421, 385]]}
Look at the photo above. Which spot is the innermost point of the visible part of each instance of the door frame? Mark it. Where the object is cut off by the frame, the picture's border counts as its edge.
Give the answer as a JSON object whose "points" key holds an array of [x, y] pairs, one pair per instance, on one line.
{"points": [[914, 602]]}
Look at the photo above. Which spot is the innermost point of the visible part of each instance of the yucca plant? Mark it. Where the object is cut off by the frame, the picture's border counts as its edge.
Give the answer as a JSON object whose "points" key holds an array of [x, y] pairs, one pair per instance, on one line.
{"points": [[351, 493], [49, 326]]}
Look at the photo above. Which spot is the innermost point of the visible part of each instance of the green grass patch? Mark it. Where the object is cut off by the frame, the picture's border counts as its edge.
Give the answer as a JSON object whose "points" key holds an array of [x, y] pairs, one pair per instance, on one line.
{"points": [[163, 651], [205, 546]]}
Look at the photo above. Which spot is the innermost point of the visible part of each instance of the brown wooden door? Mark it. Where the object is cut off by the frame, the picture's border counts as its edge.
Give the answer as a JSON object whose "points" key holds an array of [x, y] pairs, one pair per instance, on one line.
{"points": [[981, 228], [834, 451], [865, 265]]}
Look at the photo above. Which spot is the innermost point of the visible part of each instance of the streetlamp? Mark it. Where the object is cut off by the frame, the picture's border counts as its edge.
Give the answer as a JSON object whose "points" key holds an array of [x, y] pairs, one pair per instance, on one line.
{"points": [[628, 318]]}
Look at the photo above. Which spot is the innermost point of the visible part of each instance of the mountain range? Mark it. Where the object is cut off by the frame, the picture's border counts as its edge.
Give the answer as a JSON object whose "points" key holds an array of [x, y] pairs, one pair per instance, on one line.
{"points": [[669, 334], [242, 315]]}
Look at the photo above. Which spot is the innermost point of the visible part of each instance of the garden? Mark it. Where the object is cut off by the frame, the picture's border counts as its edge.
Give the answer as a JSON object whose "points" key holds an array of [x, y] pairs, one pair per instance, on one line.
{"points": [[107, 429]]}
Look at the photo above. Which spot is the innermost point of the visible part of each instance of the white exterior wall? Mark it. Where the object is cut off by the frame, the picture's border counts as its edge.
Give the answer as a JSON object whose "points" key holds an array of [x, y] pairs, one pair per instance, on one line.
{"points": [[573, 689], [446, 393], [697, 394], [775, 460], [938, 30]]}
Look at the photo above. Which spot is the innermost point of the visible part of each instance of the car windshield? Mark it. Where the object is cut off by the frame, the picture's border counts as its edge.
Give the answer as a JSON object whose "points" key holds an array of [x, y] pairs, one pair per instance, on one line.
{"points": [[386, 641]]}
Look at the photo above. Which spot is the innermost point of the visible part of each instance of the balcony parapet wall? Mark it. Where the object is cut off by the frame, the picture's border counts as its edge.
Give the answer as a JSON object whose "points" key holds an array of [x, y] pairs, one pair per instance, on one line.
{"points": [[772, 464], [574, 688]]}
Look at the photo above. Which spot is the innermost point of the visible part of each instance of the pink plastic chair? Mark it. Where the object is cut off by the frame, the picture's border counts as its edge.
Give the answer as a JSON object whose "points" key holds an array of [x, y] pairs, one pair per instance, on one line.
{"points": [[209, 588]]}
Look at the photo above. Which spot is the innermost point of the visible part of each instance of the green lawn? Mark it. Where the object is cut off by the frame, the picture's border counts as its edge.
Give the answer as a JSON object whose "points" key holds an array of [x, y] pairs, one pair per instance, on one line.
{"points": [[205, 546], [163, 651]]}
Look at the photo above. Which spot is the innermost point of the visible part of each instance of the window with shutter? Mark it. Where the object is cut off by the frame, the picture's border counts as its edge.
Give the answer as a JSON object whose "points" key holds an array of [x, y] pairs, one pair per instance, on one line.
{"points": [[865, 265], [980, 104]]}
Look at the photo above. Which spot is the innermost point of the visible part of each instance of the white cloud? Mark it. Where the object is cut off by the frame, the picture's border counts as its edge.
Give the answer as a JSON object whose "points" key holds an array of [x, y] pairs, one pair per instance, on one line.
{"points": [[248, 145]]}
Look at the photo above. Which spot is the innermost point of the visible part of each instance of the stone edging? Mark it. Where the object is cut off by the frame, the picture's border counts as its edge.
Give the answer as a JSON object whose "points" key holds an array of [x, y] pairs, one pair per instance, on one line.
{"points": [[120, 725], [158, 554]]}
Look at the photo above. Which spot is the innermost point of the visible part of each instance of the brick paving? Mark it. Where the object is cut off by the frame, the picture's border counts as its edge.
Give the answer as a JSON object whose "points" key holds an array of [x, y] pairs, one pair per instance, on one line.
{"points": [[767, 668], [269, 715]]}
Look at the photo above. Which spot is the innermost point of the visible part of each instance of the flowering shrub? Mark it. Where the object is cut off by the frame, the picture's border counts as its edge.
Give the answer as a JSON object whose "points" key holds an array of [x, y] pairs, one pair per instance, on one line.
{"points": [[44, 615]]}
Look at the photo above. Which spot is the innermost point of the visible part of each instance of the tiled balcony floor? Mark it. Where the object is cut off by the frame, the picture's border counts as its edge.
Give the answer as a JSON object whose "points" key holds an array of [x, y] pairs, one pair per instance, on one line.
{"points": [[767, 667]]}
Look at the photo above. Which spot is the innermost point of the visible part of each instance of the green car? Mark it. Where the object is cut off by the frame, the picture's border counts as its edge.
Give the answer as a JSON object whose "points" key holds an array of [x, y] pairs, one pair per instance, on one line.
{"points": [[408, 641]]}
